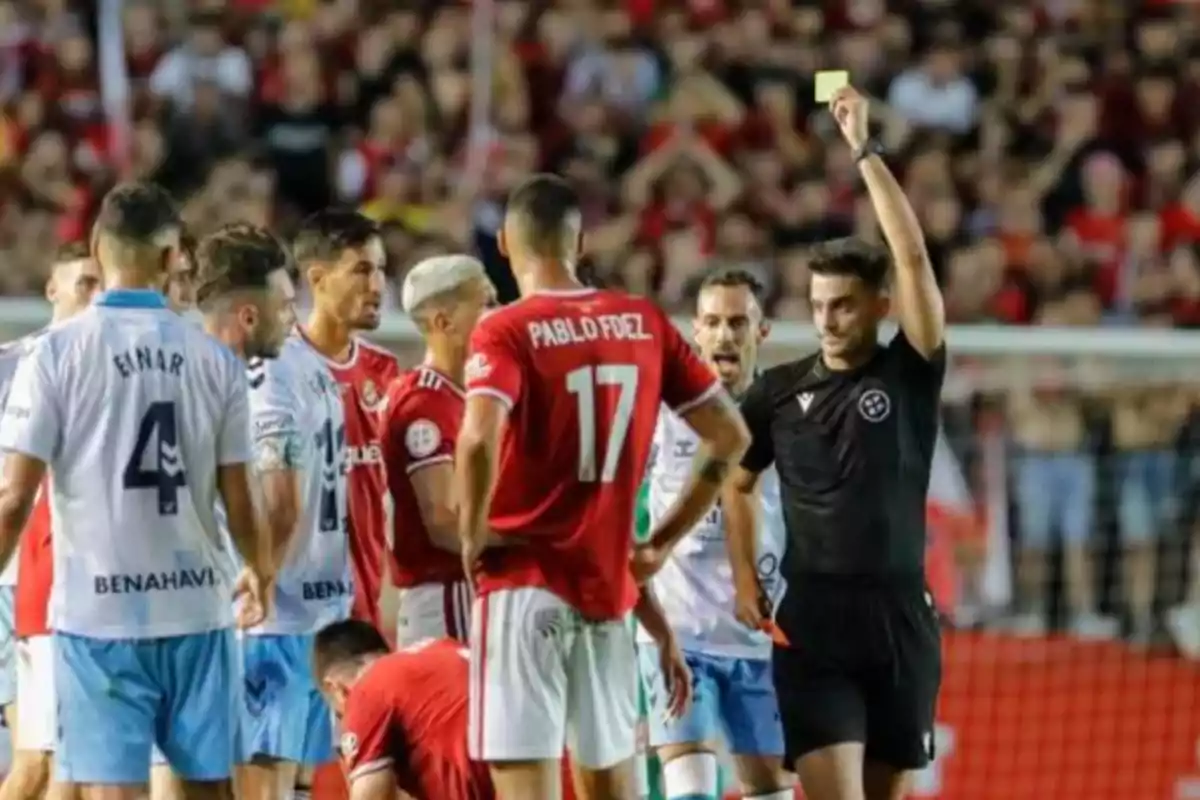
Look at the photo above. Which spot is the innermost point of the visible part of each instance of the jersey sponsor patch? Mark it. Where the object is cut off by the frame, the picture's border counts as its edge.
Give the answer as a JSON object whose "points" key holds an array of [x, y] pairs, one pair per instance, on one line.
{"points": [[477, 368], [422, 439]]}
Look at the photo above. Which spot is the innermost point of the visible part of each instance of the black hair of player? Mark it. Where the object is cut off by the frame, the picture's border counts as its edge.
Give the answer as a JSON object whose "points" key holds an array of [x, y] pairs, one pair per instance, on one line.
{"points": [[137, 213], [544, 203], [325, 235], [733, 279], [348, 641], [71, 251], [236, 257], [851, 257]]}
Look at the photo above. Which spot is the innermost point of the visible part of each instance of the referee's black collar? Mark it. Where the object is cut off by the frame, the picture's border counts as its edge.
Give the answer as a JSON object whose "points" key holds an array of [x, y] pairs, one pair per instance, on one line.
{"points": [[821, 371]]}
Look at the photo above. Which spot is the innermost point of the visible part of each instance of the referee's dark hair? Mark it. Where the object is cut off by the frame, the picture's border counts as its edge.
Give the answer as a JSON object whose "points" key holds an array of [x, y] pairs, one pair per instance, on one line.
{"points": [[346, 643], [851, 257], [325, 235], [546, 211]]}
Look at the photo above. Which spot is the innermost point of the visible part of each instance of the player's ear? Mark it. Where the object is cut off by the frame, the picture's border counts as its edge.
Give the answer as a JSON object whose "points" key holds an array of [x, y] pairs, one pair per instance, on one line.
{"points": [[502, 242], [248, 316], [313, 274], [883, 305], [764, 330], [52, 288]]}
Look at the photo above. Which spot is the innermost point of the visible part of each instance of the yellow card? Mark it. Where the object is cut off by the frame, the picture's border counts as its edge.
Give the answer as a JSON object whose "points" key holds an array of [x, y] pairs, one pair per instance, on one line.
{"points": [[828, 81]]}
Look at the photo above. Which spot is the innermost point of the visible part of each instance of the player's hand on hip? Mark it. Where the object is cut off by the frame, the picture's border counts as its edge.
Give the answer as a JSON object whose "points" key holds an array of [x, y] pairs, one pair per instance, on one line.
{"points": [[851, 112], [677, 678], [645, 562]]}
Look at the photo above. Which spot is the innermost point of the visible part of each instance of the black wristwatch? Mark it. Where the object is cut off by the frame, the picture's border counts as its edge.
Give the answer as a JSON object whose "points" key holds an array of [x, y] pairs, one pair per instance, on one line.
{"points": [[871, 147]]}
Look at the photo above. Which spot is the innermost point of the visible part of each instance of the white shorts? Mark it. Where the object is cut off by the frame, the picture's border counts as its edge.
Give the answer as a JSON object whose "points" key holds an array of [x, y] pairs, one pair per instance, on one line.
{"points": [[544, 680], [37, 702], [433, 611]]}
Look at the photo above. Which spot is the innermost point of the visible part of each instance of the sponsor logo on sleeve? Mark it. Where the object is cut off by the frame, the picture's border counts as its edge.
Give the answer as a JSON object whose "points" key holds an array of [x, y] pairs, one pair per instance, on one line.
{"points": [[478, 368]]}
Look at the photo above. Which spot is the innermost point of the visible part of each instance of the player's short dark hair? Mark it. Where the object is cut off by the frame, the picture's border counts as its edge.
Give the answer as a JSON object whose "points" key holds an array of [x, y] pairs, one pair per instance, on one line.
{"points": [[544, 204], [852, 257], [236, 257], [325, 235], [734, 278], [138, 213], [348, 641], [71, 251]]}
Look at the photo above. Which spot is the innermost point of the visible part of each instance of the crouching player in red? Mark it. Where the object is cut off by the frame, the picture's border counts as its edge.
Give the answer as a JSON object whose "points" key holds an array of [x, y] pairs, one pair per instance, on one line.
{"points": [[404, 714]]}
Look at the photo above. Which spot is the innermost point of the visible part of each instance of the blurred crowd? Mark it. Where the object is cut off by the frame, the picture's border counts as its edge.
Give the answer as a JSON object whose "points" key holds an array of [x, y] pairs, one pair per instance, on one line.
{"points": [[1051, 149]]}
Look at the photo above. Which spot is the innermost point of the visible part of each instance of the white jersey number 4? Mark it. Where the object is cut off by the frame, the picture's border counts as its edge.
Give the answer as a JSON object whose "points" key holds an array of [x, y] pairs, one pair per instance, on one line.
{"points": [[156, 462], [582, 383]]}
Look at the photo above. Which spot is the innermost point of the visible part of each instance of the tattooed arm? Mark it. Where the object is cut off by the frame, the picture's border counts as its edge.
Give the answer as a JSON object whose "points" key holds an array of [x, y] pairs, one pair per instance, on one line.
{"points": [[279, 454]]}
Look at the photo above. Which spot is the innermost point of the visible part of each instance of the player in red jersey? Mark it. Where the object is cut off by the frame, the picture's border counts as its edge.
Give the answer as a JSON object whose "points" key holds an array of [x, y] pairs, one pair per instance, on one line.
{"points": [[563, 390], [445, 296], [341, 255]]}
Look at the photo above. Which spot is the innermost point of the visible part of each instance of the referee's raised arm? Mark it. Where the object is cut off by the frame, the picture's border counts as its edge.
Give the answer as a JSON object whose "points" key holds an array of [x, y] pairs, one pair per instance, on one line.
{"points": [[916, 299]]}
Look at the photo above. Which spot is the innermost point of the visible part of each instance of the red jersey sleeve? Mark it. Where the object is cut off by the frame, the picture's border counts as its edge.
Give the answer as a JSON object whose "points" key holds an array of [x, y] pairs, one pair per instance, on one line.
{"points": [[418, 431], [366, 744], [495, 364], [687, 381]]}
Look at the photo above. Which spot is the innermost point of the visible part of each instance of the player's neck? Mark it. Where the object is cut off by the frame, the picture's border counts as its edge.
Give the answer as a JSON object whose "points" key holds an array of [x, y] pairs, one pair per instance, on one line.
{"points": [[222, 334], [329, 336], [131, 282], [540, 275], [446, 359]]}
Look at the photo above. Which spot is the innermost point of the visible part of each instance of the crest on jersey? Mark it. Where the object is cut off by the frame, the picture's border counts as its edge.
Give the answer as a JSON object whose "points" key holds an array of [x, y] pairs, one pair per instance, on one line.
{"points": [[349, 746], [422, 439], [874, 405], [370, 394], [477, 368]]}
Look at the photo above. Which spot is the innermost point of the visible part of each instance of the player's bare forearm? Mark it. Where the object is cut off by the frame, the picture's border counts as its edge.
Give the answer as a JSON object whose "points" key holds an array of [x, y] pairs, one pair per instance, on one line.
{"points": [[918, 300], [276, 465], [475, 464], [739, 502], [19, 482], [650, 615], [249, 538], [724, 438], [433, 486]]}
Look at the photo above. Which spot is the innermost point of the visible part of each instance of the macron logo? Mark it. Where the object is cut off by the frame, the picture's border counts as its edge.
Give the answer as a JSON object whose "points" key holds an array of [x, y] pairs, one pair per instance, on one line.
{"points": [[806, 400]]}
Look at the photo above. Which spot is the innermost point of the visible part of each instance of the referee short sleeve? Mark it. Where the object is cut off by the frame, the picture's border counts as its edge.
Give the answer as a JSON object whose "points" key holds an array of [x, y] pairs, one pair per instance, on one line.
{"points": [[758, 410], [914, 365]]}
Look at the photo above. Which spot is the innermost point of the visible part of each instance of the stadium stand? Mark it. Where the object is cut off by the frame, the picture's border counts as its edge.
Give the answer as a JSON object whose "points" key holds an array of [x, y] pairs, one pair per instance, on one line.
{"points": [[1050, 147]]}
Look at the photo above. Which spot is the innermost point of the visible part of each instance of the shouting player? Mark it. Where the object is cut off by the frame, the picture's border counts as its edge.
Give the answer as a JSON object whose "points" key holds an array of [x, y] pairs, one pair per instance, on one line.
{"points": [[730, 664], [74, 280], [341, 256], [562, 390], [445, 296], [246, 296], [143, 641]]}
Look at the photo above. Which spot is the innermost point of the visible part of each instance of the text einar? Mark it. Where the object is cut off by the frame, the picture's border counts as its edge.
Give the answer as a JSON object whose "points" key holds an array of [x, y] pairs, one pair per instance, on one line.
{"points": [[135, 583], [148, 359], [561, 331]]}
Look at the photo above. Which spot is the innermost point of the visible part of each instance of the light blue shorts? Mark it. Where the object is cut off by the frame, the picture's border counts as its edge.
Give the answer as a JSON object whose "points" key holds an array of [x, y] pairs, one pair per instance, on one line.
{"points": [[118, 698], [8, 646], [283, 714], [730, 696]]}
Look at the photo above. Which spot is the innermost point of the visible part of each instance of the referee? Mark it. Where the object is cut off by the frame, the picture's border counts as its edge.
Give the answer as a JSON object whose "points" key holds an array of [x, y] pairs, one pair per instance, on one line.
{"points": [[850, 431]]}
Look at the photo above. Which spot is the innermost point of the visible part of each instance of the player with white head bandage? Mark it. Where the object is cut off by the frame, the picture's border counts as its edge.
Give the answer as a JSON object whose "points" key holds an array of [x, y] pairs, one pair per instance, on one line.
{"points": [[446, 296]]}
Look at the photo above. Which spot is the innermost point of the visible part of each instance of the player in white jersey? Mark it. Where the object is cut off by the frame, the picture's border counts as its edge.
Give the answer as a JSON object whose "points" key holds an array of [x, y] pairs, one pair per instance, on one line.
{"points": [[730, 663], [298, 431], [143, 422], [74, 280]]}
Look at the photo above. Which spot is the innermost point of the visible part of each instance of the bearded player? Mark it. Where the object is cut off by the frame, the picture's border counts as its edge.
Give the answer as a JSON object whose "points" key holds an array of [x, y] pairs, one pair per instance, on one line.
{"points": [[445, 296], [341, 255], [28, 688], [730, 662], [562, 391]]}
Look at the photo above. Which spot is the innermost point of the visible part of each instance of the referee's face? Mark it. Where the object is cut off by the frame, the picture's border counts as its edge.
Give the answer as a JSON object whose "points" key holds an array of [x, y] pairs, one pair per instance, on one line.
{"points": [[728, 329], [846, 314]]}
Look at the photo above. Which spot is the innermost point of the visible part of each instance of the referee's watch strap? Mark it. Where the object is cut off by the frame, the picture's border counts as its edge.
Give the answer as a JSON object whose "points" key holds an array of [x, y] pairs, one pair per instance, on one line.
{"points": [[871, 147]]}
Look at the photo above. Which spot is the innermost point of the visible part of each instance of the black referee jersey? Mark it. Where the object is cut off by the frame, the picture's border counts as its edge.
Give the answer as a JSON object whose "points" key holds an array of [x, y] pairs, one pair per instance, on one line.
{"points": [[853, 451]]}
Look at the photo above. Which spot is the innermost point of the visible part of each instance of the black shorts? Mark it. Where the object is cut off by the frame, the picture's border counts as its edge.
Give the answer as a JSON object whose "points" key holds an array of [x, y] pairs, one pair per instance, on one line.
{"points": [[864, 665]]}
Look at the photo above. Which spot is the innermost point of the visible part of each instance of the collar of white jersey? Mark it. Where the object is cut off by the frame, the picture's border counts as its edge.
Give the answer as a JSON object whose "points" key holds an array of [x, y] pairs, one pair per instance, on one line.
{"points": [[132, 298]]}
